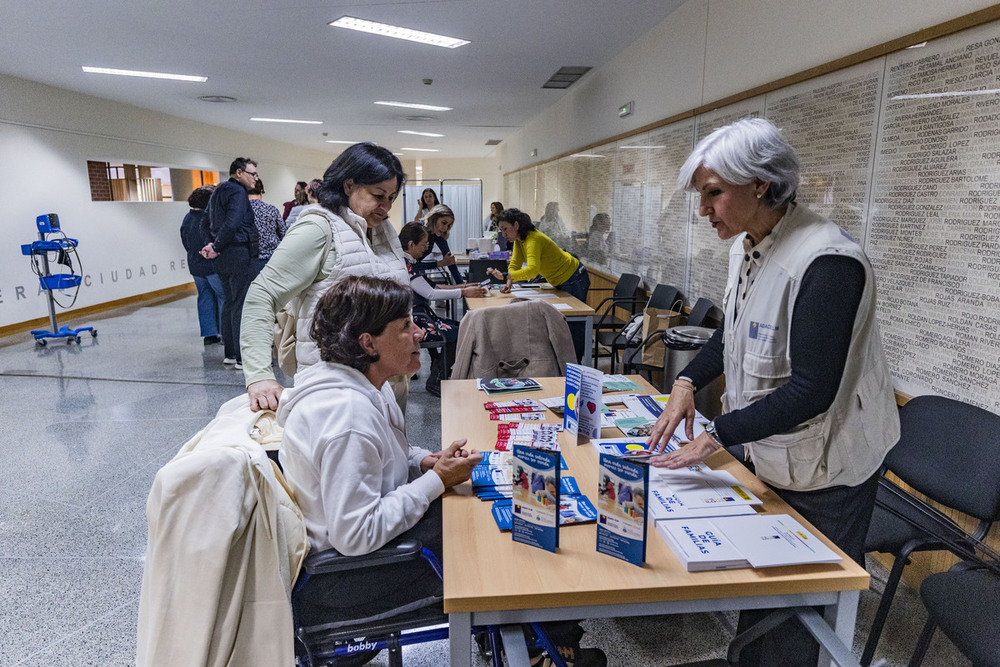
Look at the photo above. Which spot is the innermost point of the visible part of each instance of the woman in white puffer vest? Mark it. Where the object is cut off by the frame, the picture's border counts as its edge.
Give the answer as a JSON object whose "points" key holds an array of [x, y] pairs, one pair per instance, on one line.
{"points": [[346, 233]]}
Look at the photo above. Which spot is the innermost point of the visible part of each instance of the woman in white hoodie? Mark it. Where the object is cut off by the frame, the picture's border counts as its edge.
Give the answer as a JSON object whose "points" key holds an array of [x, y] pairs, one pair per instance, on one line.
{"points": [[345, 454]]}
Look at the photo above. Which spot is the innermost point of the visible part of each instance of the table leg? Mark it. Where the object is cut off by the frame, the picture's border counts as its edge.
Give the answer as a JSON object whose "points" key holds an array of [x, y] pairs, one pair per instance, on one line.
{"points": [[460, 639], [515, 646]]}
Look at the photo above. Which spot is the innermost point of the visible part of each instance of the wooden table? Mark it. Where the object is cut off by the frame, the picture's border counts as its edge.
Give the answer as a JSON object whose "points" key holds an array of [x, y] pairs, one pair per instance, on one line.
{"points": [[578, 311], [577, 582]]}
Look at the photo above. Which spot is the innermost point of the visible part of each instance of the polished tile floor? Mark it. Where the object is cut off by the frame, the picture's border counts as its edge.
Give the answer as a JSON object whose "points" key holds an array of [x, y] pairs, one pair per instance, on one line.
{"points": [[87, 428]]}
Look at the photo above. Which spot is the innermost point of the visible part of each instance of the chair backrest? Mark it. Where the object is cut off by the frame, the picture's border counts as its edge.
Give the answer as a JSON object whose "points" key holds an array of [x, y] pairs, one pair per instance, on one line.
{"points": [[699, 312], [477, 269], [950, 451], [665, 297], [626, 286]]}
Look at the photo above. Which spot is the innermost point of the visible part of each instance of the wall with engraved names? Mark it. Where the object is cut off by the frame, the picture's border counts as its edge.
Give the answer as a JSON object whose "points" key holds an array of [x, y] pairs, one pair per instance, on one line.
{"points": [[903, 152]]}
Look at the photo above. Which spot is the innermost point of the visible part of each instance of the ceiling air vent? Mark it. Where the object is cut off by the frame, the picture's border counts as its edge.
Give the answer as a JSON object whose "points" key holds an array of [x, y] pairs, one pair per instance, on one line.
{"points": [[493, 142], [565, 77]]}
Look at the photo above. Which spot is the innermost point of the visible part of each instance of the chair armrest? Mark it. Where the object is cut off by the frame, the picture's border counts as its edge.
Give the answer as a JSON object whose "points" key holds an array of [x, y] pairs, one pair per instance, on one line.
{"points": [[331, 560], [613, 303]]}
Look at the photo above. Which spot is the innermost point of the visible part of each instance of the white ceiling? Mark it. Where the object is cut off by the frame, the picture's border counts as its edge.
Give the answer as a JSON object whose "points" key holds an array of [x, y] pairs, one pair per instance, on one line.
{"points": [[280, 59]]}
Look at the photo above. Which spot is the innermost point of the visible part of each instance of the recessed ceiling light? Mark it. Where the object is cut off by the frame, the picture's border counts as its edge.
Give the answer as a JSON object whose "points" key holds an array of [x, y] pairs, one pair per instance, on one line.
{"points": [[410, 105], [397, 153], [338, 141], [288, 120], [642, 147], [420, 134], [421, 150], [147, 75], [585, 155], [386, 30]]}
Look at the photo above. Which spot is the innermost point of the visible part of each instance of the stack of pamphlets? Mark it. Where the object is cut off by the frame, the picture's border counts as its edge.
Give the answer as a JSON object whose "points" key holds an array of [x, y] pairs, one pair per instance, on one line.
{"points": [[761, 540], [516, 405], [644, 412], [698, 486], [633, 448], [507, 385], [535, 498], [533, 435]]}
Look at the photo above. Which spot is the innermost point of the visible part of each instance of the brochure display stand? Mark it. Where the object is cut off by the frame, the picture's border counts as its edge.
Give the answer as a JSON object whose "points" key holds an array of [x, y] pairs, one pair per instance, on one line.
{"points": [[64, 249]]}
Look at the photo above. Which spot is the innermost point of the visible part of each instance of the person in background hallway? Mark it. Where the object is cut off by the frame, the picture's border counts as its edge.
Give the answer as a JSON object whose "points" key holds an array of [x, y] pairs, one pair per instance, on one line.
{"points": [[206, 280], [551, 224], [235, 244], [490, 225], [539, 255], [428, 200], [309, 197], [413, 238], [808, 391], [299, 199], [439, 222], [270, 226], [346, 233]]}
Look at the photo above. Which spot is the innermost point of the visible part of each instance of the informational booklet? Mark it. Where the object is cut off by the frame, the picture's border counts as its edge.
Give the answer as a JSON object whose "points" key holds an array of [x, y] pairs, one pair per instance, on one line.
{"points": [[582, 416], [517, 417], [633, 448], [515, 405], [622, 488], [618, 383], [647, 409], [504, 385], [664, 505], [535, 501], [521, 433], [699, 545], [572, 509], [700, 486], [771, 540]]}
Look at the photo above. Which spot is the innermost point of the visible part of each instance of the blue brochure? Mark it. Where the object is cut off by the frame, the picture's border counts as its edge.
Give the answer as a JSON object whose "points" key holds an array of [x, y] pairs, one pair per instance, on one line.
{"points": [[535, 502], [582, 414], [572, 509], [623, 487]]}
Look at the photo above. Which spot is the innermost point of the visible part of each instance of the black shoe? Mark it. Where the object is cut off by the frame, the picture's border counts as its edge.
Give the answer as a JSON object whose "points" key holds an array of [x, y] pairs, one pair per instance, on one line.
{"points": [[433, 387], [213, 340], [578, 657]]}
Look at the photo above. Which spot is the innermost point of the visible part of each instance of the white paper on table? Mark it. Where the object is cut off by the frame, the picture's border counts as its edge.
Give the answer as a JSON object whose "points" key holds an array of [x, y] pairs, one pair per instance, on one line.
{"points": [[770, 540], [699, 486], [562, 306]]}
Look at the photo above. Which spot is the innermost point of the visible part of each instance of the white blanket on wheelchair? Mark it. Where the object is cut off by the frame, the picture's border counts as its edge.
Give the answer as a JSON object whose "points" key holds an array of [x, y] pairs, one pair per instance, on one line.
{"points": [[226, 541]]}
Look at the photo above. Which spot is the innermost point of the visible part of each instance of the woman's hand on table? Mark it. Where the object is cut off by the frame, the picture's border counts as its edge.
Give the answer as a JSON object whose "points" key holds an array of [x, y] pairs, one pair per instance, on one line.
{"points": [[505, 289], [473, 291], [693, 452], [679, 408], [454, 464]]}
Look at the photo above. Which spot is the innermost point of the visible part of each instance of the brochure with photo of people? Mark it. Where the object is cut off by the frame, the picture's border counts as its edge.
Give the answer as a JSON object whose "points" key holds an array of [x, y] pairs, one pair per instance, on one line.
{"points": [[535, 498], [622, 489]]}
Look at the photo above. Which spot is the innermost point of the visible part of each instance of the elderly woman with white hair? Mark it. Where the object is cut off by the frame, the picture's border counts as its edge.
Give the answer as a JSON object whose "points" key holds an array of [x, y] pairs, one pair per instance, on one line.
{"points": [[808, 391]]}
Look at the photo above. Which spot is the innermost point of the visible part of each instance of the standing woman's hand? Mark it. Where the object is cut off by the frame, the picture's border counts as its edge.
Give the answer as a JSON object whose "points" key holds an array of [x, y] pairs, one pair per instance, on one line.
{"points": [[679, 408]]}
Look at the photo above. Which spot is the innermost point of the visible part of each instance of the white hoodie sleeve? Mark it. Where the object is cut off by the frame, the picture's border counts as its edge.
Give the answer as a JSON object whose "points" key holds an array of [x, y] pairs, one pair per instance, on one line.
{"points": [[359, 518]]}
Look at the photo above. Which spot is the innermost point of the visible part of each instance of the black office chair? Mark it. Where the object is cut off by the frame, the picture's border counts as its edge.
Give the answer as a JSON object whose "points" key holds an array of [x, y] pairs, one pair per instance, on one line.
{"points": [[664, 297], [477, 269], [950, 452], [965, 603], [623, 296], [701, 311]]}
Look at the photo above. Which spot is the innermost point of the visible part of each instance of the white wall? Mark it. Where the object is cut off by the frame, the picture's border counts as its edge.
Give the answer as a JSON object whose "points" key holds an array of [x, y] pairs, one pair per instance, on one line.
{"points": [[127, 248], [709, 49]]}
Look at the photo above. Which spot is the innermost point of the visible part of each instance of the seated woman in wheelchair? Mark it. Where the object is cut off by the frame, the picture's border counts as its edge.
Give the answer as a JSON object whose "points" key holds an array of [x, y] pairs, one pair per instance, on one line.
{"points": [[345, 454]]}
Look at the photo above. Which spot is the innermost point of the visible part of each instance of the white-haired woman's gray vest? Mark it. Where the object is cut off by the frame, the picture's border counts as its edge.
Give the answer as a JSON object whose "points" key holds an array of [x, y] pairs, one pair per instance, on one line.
{"points": [[350, 255], [846, 444]]}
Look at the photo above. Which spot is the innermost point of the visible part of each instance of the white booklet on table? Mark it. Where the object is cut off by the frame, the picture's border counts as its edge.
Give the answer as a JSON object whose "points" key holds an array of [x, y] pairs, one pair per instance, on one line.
{"points": [[770, 540], [700, 486], [700, 546]]}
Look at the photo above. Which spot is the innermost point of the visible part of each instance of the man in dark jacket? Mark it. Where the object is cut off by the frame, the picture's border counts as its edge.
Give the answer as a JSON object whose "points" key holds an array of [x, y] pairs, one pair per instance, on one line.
{"points": [[235, 245]]}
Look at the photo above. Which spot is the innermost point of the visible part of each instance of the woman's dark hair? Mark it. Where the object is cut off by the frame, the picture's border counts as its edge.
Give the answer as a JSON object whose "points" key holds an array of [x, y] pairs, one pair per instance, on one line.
{"points": [[520, 220], [199, 196], [433, 194], [412, 232], [257, 189], [302, 197], [498, 206], [365, 164], [353, 306]]}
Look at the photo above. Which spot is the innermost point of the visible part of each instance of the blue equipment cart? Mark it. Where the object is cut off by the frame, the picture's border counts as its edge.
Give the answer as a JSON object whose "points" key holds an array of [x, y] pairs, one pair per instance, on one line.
{"points": [[65, 254]]}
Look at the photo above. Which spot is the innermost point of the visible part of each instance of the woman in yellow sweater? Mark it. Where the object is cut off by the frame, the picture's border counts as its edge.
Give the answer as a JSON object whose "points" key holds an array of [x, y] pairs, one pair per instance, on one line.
{"points": [[535, 254]]}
